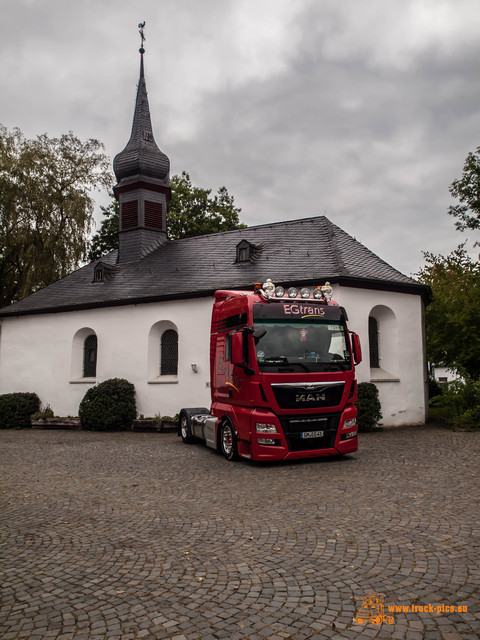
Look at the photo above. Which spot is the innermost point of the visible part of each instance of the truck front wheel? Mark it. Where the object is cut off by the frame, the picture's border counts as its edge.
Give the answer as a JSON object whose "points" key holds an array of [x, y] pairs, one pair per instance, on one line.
{"points": [[186, 428], [228, 441]]}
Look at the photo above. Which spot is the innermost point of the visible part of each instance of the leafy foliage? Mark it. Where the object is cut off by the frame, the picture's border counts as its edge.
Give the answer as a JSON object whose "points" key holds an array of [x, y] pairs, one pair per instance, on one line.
{"points": [[43, 414], [109, 406], [193, 212], [467, 190], [368, 407], [16, 409], [462, 399], [106, 239], [453, 316], [46, 207]]}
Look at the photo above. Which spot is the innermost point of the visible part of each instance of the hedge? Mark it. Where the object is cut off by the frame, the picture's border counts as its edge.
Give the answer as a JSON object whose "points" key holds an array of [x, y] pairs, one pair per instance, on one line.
{"points": [[16, 409]]}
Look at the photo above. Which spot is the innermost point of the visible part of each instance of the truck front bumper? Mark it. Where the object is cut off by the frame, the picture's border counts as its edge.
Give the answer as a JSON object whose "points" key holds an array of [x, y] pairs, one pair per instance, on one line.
{"points": [[306, 436]]}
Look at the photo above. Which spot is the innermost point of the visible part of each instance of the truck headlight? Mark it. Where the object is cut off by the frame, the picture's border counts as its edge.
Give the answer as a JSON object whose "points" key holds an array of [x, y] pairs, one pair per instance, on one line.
{"points": [[261, 427], [350, 423]]}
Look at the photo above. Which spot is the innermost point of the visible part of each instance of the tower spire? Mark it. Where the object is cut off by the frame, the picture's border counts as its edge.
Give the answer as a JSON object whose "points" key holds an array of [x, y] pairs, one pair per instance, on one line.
{"points": [[142, 171]]}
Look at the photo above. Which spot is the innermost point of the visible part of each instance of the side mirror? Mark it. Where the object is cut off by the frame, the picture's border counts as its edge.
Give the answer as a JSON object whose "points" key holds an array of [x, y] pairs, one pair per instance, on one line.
{"points": [[259, 333], [237, 348], [357, 349]]}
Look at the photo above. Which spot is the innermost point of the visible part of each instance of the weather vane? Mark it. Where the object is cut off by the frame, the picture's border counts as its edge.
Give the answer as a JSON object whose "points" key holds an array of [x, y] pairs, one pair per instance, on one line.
{"points": [[141, 27]]}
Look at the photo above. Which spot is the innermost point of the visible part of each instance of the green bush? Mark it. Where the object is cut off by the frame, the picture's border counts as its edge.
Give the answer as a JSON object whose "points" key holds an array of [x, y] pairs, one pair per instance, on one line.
{"points": [[469, 421], [461, 399], [368, 407], [16, 409], [43, 414], [109, 406]]}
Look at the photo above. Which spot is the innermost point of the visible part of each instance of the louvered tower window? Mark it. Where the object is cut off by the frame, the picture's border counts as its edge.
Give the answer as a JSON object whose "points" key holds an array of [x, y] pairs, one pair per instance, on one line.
{"points": [[130, 214], [373, 343], [90, 356], [153, 215], [169, 353]]}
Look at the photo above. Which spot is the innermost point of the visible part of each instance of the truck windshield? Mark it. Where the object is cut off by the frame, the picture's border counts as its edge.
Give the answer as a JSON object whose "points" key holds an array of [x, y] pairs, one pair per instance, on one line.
{"points": [[286, 346]]}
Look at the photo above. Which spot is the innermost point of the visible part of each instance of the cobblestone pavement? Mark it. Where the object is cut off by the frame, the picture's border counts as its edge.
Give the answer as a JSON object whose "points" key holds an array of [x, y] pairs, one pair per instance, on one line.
{"points": [[134, 535]]}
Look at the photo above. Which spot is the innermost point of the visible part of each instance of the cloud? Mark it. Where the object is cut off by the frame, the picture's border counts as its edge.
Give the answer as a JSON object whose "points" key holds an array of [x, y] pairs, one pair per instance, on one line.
{"points": [[364, 111]]}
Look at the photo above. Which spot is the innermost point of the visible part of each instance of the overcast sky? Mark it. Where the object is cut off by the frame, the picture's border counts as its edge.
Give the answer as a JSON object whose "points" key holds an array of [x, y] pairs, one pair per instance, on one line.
{"points": [[362, 110]]}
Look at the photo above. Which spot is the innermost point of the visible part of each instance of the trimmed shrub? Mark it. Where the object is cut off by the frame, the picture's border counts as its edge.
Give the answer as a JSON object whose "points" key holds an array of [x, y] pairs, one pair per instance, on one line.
{"points": [[368, 407], [16, 409], [109, 406]]}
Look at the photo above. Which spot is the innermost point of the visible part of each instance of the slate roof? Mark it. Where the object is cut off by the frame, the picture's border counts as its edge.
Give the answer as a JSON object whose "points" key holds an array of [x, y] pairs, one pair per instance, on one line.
{"points": [[305, 251]]}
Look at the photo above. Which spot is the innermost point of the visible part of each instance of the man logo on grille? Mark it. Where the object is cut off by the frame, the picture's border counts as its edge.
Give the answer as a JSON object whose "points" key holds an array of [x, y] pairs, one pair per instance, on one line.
{"points": [[310, 397]]}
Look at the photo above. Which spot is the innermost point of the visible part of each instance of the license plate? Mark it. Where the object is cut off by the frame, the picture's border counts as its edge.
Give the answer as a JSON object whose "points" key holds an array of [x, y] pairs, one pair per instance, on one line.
{"points": [[311, 434]]}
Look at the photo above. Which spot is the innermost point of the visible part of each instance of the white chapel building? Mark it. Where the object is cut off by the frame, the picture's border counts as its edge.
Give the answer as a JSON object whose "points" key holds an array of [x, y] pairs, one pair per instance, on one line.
{"points": [[142, 312]]}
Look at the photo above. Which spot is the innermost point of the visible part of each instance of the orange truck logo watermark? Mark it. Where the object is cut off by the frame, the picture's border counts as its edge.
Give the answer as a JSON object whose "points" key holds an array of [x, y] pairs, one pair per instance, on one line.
{"points": [[373, 609]]}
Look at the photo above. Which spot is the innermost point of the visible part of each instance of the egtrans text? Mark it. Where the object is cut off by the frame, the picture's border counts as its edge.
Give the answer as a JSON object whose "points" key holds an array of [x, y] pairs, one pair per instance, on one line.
{"points": [[301, 310]]}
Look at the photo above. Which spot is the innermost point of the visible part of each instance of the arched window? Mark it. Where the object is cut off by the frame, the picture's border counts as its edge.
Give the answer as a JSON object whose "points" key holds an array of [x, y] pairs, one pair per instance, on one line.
{"points": [[169, 353], [383, 341], [90, 356], [162, 356], [373, 343]]}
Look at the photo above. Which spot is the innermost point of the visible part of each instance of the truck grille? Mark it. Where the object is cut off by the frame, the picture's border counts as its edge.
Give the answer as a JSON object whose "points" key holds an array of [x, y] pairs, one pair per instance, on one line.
{"points": [[308, 396], [294, 426]]}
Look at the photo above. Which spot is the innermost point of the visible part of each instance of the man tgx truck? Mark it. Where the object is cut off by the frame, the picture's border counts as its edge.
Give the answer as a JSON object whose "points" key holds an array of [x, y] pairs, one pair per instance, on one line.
{"points": [[282, 376]]}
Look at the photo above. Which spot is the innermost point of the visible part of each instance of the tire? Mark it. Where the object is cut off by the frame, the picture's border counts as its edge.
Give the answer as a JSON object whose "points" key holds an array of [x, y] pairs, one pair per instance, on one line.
{"points": [[186, 428], [228, 441]]}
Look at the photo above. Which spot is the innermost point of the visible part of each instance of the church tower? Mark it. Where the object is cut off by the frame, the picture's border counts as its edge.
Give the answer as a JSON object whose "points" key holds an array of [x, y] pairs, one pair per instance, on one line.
{"points": [[143, 176]]}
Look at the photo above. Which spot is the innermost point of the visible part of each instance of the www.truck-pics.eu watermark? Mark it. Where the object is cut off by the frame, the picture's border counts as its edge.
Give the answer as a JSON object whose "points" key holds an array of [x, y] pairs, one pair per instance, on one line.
{"points": [[374, 610]]}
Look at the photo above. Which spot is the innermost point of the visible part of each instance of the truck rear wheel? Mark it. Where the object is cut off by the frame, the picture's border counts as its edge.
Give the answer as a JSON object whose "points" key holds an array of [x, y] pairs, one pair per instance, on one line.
{"points": [[186, 428], [228, 441]]}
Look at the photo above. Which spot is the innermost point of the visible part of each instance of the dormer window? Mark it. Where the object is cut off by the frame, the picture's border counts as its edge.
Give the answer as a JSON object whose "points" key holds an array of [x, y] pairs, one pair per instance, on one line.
{"points": [[103, 272], [243, 254], [99, 273], [248, 252]]}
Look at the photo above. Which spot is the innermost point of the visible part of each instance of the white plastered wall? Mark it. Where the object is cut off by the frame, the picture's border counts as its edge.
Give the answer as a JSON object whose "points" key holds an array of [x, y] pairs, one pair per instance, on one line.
{"points": [[401, 379], [42, 353]]}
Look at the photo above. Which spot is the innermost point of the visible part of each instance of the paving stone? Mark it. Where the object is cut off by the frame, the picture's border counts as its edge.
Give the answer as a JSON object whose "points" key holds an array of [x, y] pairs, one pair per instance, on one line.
{"points": [[129, 536]]}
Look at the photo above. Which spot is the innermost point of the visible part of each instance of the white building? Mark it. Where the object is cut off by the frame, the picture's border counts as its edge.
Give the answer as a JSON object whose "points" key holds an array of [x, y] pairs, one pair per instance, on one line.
{"points": [[143, 312]]}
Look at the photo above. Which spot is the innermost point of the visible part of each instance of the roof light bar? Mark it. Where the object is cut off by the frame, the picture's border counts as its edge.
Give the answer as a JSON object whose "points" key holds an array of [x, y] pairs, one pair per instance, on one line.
{"points": [[268, 290]]}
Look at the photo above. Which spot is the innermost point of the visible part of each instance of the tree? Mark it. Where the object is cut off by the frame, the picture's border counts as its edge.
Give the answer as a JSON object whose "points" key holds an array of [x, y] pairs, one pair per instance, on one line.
{"points": [[106, 238], [192, 211], [46, 207], [467, 190], [453, 316]]}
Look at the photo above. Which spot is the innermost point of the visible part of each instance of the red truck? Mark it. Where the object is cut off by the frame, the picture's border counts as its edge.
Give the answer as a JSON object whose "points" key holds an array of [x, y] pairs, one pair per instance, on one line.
{"points": [[282, 376]]}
